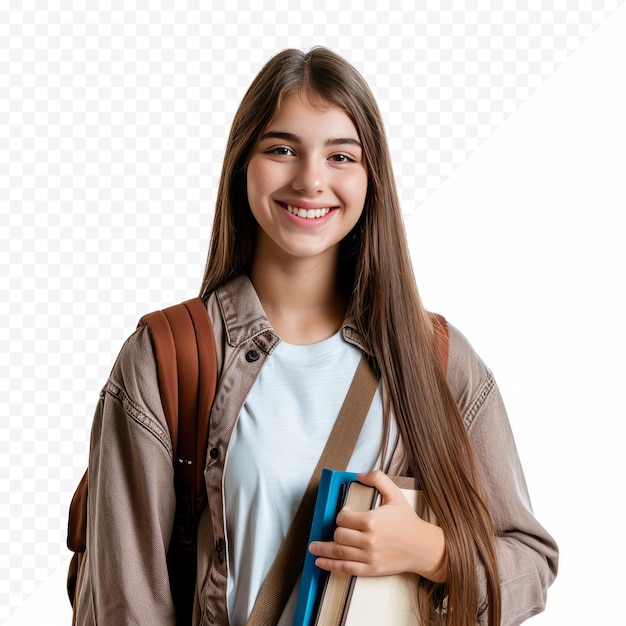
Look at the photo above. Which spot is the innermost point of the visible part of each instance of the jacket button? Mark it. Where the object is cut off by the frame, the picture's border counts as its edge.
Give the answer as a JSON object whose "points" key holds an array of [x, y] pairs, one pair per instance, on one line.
{"points": [[252, 356], [214, 453]]}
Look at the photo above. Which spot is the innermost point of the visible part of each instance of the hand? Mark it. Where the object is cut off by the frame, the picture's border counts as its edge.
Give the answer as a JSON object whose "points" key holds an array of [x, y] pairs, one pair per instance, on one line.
{"points": [[387, 540]]}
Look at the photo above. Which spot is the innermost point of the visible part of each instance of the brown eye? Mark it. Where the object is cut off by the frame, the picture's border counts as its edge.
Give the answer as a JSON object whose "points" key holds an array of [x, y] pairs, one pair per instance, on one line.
{"points": [[281, 151], [341, 158]]}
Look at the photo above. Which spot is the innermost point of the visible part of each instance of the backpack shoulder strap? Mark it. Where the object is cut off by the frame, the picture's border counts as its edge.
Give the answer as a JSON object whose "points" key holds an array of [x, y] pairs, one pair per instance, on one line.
{"points": [[184, 348]]}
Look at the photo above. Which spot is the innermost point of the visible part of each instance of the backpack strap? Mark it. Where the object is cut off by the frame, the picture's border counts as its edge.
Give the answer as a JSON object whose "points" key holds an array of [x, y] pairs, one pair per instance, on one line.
{"points": [[184, 348]]}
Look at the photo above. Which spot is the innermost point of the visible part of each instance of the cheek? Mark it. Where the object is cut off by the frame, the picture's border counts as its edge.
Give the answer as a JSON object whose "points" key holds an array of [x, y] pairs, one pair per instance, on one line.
{"points": [[358, 188], [350, 185], [263, 179], [253, 178]]}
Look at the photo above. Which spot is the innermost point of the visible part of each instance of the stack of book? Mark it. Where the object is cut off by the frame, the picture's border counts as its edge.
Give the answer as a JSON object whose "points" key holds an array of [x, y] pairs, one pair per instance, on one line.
{"points": [[337, 599]]}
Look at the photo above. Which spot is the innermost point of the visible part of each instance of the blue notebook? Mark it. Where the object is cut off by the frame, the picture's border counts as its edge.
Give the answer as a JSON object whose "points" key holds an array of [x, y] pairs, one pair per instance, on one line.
{"points": [[327, 505]]}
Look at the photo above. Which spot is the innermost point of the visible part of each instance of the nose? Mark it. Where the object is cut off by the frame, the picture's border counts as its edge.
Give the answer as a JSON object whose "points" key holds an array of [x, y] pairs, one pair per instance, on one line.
{"points": [[308, 176]]}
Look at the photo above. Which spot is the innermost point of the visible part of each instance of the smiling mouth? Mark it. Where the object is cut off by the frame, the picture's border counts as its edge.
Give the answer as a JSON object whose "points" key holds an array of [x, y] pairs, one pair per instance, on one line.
{"points": [[309, 214]]}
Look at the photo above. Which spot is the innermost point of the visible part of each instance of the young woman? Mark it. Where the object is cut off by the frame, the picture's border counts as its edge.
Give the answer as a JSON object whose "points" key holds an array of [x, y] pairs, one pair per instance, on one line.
{"points": [[307, 270]]}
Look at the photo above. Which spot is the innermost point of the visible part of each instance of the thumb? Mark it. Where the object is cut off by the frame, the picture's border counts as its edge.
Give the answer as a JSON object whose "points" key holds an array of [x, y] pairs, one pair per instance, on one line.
{"points": [[380, 481]]}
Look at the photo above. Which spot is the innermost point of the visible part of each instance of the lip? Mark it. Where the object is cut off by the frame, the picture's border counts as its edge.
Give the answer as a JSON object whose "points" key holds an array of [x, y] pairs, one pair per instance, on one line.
{"points": [[305, 222]]}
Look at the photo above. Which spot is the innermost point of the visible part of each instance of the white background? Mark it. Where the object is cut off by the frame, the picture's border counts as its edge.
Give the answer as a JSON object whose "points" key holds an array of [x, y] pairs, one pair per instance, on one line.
{"points": [[507, 129]]}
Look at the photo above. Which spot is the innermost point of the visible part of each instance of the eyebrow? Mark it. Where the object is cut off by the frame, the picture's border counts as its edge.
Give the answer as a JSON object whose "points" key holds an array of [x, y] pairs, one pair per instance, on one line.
{"points": [[336, 141]]}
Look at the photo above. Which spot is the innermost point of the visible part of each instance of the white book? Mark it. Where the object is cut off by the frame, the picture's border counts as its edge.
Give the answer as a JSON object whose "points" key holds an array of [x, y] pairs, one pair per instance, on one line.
{"points": [[362, 600]]}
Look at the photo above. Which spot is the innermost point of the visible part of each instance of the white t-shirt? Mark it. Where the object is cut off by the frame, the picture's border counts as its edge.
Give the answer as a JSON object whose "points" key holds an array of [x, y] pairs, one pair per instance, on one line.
{"points": [[279, 437]]}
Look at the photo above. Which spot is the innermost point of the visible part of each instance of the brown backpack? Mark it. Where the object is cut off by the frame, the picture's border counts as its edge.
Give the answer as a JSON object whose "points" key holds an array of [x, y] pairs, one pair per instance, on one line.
{"points": [[184, 349]]}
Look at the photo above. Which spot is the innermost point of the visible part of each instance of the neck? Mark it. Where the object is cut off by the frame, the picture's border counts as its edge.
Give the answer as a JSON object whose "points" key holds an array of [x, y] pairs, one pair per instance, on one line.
{"points": [[301, 298]]}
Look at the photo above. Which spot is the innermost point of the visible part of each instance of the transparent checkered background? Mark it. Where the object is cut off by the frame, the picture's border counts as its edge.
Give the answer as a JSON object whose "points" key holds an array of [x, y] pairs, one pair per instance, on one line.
{"points": [[113, 120]]}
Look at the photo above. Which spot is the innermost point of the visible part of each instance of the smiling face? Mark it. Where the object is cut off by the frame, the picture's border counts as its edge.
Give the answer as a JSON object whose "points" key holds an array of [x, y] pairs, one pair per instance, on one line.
{"points": [[306, 181]]}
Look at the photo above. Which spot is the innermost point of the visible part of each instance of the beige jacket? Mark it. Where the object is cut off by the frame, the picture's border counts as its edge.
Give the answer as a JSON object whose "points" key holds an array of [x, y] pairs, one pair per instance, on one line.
{"points": [[131, 497]]}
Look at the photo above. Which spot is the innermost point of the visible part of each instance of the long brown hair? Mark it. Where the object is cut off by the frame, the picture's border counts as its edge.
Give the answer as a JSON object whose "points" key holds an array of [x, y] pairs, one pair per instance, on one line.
{"points": [[383, 301]]}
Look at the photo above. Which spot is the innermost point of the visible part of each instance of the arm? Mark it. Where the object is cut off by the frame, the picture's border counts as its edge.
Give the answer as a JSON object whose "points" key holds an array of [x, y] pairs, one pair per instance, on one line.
{"points": [[131, 498], [527, 554]]}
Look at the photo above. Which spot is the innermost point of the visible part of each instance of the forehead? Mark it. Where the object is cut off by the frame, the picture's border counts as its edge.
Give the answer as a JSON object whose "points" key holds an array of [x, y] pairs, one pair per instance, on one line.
{"points": [[298, 114]]}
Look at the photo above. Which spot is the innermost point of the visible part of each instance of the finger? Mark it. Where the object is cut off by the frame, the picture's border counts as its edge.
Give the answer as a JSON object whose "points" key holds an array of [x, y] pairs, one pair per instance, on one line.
{"points": [[379, 480], [354, 520], [331, 550], [350, 538], [353, 568]]}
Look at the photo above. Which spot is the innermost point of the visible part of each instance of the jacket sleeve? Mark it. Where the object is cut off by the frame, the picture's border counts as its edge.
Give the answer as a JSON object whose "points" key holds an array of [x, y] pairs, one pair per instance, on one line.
{"points": [[527, 554], [131, 499]]}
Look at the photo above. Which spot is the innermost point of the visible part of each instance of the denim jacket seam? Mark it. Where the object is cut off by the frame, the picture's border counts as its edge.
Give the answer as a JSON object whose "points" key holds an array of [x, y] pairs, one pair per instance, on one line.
{"points": [[139, 415], [484, 392]]}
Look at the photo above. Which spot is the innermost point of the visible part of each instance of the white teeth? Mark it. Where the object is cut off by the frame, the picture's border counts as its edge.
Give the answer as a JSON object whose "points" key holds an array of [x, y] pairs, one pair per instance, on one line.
{"points": [[309, 214]]}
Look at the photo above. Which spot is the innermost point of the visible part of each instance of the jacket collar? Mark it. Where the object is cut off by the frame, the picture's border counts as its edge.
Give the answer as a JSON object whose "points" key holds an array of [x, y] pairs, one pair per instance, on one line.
{"points": [[245, 319]]}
